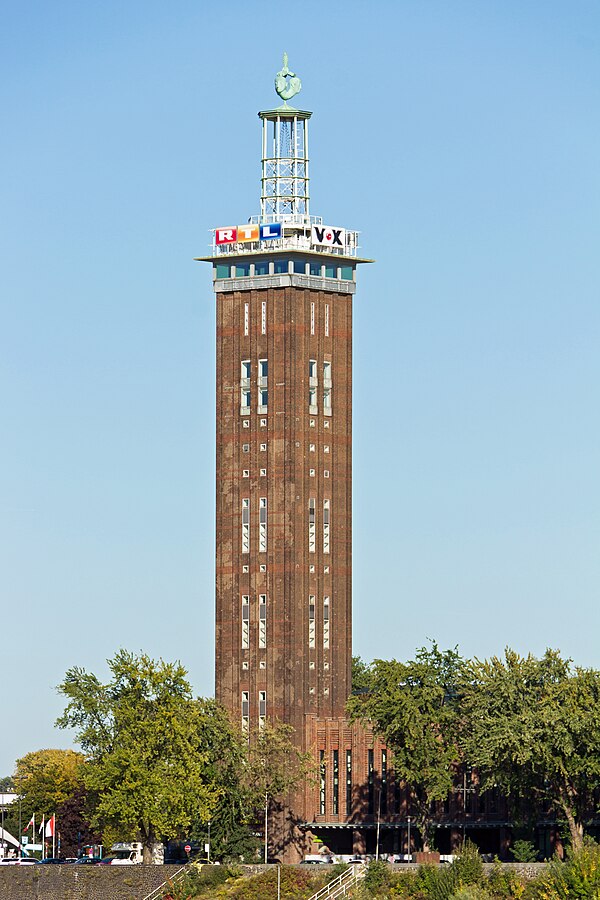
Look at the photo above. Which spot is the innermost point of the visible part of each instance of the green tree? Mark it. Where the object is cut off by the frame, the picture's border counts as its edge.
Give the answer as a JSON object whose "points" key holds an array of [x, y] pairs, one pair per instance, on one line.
{"points": [[361, 675], [147, 744], [46, 778], [414, 707], [532, 727], [274, 768]]}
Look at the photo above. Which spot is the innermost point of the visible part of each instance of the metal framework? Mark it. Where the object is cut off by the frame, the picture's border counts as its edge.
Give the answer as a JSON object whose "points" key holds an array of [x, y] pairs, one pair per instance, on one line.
{"points": [[284, 164]]}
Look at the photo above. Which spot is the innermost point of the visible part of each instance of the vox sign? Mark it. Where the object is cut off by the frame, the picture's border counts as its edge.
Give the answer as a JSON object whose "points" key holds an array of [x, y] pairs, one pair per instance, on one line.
{"points": [[325, 236]]}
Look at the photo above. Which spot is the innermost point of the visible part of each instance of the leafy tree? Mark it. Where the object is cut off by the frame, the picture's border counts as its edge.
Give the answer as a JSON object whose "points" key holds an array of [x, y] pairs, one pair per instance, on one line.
{"points": [[361, 675], [46, 778], [414, 707], [274, 767], [578, 877], [147, 744], [6, 784], [532, 727]]}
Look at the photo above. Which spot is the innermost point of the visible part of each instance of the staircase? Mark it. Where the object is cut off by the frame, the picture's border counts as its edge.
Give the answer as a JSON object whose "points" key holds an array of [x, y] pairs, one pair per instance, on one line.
{"points": [[158, 892], [340, 886]]}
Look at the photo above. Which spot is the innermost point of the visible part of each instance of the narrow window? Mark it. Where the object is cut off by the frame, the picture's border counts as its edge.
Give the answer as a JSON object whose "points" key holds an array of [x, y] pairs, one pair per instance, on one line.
{"points": [[322, 777], [312, 318], [263, 317], [263, 393], [348, 782], [326, 623], [311, 622], [246, 318], [262, 708], [245, 387], [371, 782], [312, 533], [327, 388], [383, 804], [246, 525], [262, 525], [245, 712], [335, 799], [245, 622], [313, 383], [262, 621], [327, 320], [326, 511]]}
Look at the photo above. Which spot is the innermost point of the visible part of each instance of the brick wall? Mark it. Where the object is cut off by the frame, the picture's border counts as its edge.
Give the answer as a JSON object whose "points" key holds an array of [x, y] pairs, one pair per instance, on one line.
{"points": [[81, 882]]}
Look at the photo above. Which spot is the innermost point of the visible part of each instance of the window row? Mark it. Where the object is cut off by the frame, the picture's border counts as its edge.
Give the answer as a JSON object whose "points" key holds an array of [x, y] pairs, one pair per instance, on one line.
{"points": [[262, 384], [312, 525], [313, 388], [263, 318], [262, 621], [312, 622], [283, 266], [343, 757], [262, 525], [262, 710]]}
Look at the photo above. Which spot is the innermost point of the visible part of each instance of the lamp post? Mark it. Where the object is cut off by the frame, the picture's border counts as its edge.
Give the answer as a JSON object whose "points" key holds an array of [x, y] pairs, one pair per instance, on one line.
{"points": [[408, 848], [266, 824], [208, 855]]}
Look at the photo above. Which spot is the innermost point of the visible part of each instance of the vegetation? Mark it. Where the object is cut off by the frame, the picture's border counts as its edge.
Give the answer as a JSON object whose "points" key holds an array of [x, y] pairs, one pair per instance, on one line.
{"points": [[532, 727], [415, 706]]}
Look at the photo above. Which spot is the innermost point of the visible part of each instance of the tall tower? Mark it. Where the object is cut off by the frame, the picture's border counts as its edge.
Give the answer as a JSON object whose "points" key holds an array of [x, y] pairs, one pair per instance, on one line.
{"points": [[284, 283]]}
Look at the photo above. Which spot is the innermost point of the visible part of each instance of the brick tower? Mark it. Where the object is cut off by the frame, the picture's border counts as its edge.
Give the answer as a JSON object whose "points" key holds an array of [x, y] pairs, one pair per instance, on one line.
{"points": [[284, 283]]}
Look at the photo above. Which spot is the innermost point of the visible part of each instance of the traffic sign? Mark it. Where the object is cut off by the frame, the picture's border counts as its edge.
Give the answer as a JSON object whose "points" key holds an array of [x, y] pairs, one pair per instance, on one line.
{"points": [[187, 848]]}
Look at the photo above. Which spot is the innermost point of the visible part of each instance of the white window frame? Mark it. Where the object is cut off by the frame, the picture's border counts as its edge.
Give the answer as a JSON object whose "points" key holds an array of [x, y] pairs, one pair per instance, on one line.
{"points": [[326, 525], [245, 525], [262, 525]]}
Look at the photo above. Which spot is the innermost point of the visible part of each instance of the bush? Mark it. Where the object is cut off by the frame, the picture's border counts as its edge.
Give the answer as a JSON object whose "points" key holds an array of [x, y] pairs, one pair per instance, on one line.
{"points": [[578, 877], [524, 851]]}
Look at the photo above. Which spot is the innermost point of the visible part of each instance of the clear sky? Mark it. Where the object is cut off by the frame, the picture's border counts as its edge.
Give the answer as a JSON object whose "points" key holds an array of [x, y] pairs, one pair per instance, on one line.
{"points": [[461, 137]]}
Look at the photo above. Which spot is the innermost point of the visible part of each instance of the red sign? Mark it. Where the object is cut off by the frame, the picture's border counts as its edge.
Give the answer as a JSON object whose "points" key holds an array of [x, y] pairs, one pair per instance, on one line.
{"points": [[187, 848]]}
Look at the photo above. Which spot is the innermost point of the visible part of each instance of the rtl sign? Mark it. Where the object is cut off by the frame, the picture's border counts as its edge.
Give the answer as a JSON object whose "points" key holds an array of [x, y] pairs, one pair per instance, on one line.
{"points": [[325, 236], [241, 234]]}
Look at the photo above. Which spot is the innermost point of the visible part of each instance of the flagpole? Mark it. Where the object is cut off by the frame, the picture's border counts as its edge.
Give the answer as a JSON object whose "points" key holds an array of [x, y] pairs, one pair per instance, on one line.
{"points": [[54, 835], [33, 831]]}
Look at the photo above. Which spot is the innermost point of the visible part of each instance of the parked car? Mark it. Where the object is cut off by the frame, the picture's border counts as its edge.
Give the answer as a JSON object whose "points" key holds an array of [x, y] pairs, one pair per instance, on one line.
{"points": [[20, 861]]}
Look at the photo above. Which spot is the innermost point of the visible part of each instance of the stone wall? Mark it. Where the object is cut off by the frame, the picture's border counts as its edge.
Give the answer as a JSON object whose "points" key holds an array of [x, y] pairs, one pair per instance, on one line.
{"points": [[81, 882]]}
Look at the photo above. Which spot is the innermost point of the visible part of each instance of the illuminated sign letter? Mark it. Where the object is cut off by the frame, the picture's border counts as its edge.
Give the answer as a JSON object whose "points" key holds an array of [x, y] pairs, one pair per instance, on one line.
{"points": [[247, 233], [268, 232], [225, 235]]}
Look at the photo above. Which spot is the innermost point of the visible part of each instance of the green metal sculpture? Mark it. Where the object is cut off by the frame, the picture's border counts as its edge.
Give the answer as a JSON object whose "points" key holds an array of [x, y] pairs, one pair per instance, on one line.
{"points": [[287, 89]]}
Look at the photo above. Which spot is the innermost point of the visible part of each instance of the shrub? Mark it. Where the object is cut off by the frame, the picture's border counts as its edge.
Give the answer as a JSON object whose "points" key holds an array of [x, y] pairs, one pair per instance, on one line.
{"points": [[578, 877], [524, 851]]}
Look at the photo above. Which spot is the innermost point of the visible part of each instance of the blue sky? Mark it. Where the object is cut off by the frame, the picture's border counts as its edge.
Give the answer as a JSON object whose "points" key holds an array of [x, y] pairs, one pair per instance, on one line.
{"points": [[461, 138]]}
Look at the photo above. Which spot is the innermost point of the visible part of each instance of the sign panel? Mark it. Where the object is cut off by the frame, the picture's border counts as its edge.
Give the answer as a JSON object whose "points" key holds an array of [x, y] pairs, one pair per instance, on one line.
{"points": [[240, 234], [326, 236]]}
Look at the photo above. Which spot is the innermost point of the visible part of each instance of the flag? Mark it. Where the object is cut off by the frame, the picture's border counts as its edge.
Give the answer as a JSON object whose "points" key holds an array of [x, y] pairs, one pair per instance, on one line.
{"points": [[50, 827], [41, 828], [30, 823]]}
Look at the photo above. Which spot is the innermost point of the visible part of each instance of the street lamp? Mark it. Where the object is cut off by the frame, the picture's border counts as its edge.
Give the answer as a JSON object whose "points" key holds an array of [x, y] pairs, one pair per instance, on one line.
{"points": [[209, 841], [408, 848]]}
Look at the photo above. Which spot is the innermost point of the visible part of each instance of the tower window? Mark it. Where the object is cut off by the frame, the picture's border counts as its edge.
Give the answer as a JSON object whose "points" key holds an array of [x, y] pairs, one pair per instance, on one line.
{"points": [[326, 623], [313, 382], [263, 317], [326, 523], [262, 525], [348, 782], [242, 271], [263, 393], [330, 271], [315, 269], [327, 320], [312, 534], [245, 622], [262, 708], [245, 712], [327, 388], [280, 267], [246, 525], [346, 273], [262, 621], [312, 318], [261, 268], [312, 638], [299, 267], [312, 447], [245, 387], [311, 473], [246, 318]]}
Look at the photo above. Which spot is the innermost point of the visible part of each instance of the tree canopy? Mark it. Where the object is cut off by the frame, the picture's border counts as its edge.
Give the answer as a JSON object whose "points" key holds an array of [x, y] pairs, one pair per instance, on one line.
{"points": [[532, 727], [149, 745], [414, 707]]}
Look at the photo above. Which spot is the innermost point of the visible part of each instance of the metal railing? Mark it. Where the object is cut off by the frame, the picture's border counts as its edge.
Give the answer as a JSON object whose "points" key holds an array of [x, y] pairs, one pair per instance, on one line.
{"points": [[339, 886], [158, 892]]}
